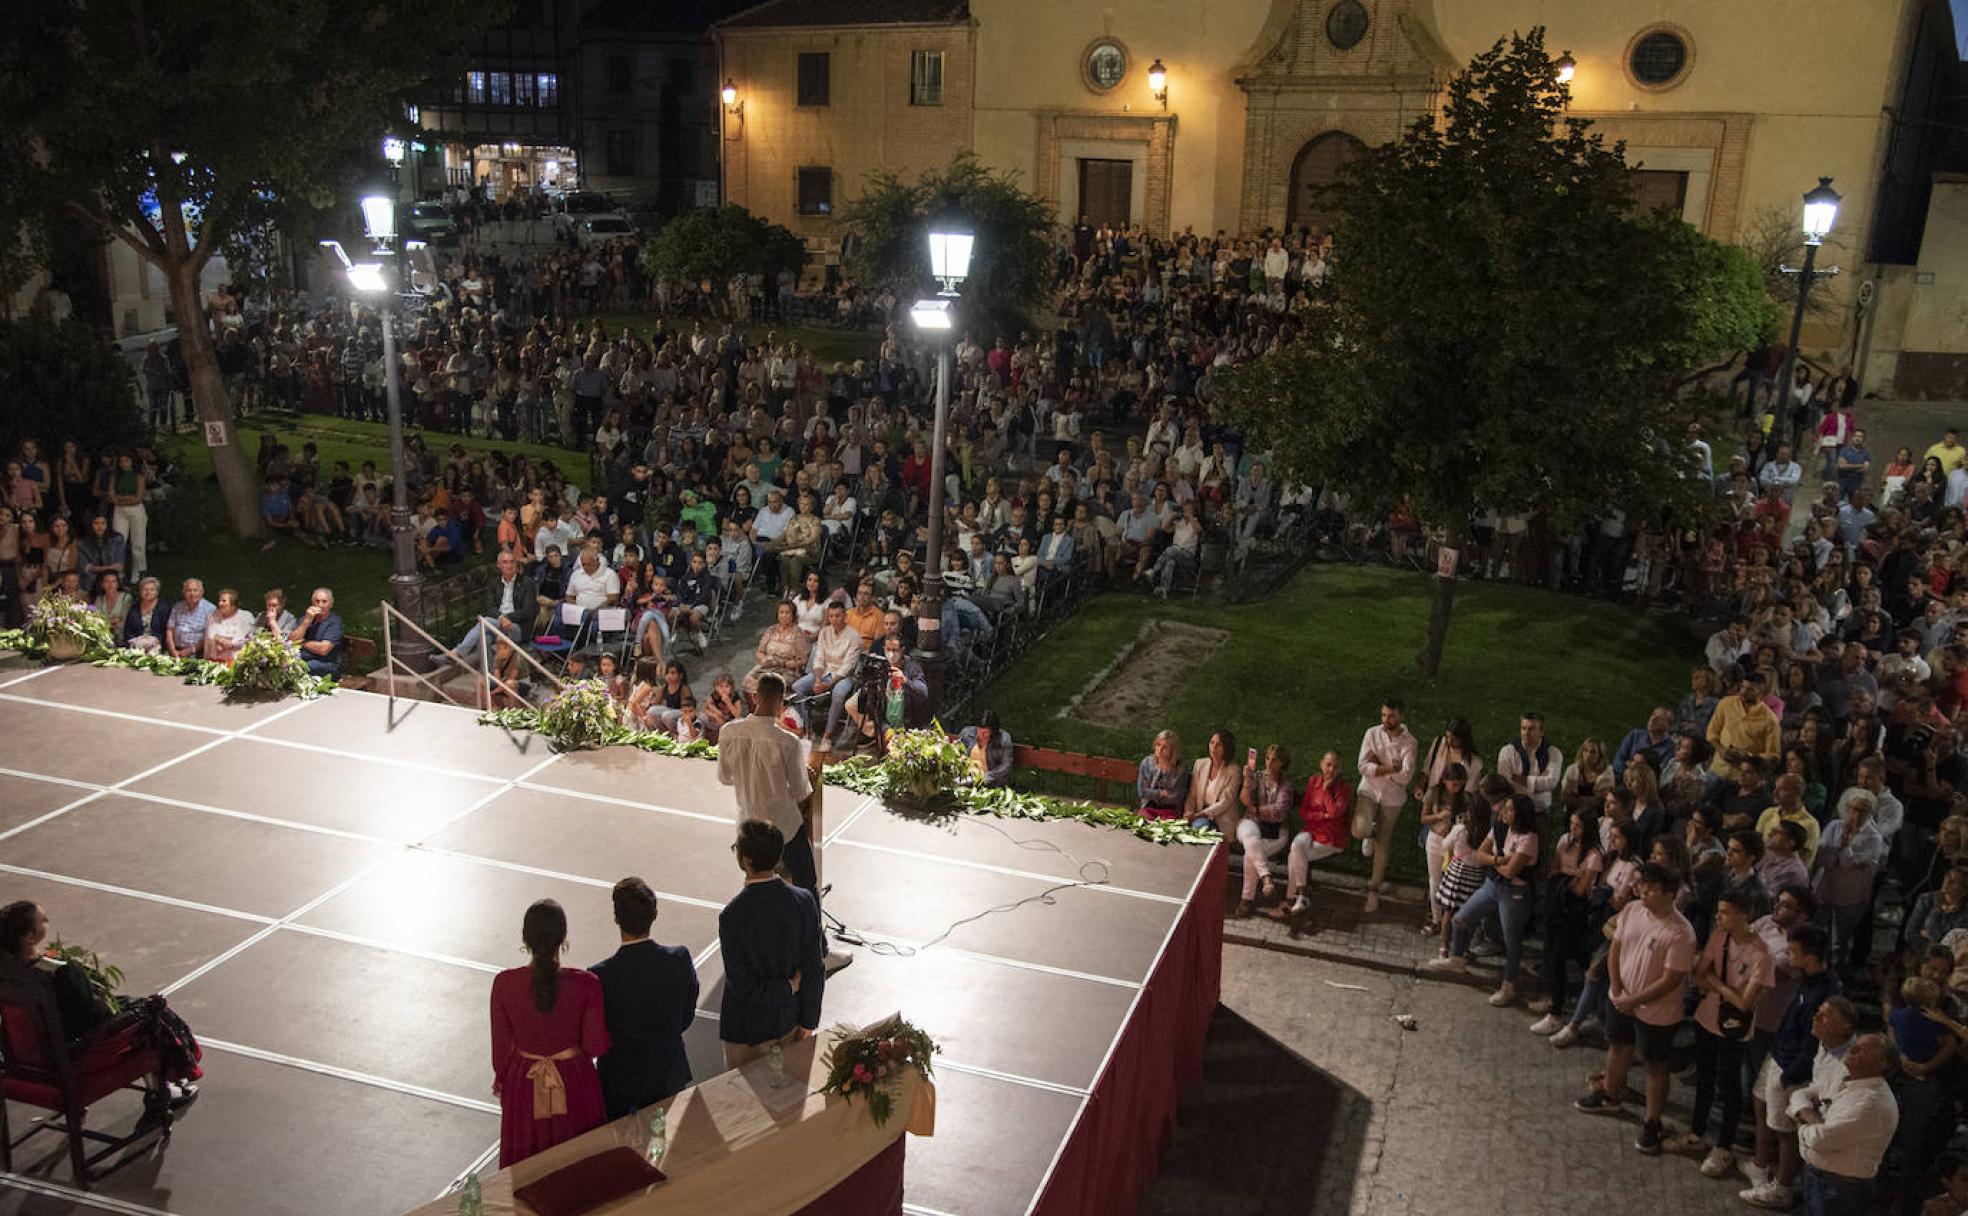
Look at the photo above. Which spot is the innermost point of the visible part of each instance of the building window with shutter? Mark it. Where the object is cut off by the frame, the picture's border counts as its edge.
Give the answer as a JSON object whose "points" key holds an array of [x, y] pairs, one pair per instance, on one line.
{"points": [[618, 153], [815, 78], [816, 190], [549, 90], [501, 89], [525, 90], [926, 78]]}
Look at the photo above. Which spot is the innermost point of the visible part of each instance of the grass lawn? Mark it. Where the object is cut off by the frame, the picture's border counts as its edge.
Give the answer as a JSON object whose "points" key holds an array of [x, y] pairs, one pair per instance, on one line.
{"points": [[1309, 668]]}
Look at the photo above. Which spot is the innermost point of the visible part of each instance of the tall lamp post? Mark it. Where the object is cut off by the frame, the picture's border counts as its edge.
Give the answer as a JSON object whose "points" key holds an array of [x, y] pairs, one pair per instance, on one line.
{"points": [[1820, 213], [381, 280], [950, 242]]}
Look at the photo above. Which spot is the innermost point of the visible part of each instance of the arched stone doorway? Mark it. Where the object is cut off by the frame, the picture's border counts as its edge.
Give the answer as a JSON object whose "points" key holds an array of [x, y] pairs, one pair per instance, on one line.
{"points": [[1315, 169]]}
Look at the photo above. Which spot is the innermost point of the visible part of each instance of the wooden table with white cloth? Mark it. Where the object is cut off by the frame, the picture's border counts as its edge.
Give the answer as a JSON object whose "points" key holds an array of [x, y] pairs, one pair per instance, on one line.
{"points": [[737, 1144]]}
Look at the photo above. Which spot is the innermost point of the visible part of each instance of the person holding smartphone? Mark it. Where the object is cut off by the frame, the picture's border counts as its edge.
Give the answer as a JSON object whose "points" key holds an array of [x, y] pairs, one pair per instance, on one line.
{"points": [[1268, 796]]}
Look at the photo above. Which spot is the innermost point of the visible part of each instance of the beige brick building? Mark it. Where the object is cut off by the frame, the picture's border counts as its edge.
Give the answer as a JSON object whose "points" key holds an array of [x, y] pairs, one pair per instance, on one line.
{"points": [[1729, 110], [827, 93]]}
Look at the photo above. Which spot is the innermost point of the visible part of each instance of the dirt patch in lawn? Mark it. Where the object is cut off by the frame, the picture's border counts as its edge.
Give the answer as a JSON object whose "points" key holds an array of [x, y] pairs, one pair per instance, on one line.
{"points": [[1146, 675]]}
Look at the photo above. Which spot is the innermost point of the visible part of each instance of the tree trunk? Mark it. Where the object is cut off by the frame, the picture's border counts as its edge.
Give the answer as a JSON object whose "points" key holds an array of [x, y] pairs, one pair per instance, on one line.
{"points": [[208, 395], [1441, 604]]}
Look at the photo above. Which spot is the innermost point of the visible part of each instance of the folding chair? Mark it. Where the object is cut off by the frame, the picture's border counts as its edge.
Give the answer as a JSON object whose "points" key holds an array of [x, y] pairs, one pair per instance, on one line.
{"points": [[559, 642], [615, 622]]}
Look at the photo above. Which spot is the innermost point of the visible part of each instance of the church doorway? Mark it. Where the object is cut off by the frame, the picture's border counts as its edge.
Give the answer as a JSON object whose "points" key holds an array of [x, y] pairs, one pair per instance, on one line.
{"points": [[1106, 192], [1314, 172]]}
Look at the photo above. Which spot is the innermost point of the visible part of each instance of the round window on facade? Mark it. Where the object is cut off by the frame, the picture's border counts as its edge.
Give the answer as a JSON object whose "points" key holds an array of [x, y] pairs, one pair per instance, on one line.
{"points": [[1659, 57], [1105, 66]]}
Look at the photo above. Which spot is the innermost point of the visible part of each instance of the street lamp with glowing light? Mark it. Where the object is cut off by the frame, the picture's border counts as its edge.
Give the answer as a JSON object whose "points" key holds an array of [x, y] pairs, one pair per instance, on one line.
{"points": [[950, 242], [394, 150], [368, 278], [729, 94], [1820, 211], [379, 217], [1158, 82], [1567, 67], [933, 315]]}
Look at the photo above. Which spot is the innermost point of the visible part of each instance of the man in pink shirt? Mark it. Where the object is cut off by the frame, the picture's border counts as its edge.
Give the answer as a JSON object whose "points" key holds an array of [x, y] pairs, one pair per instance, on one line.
{"points": [[1653, 951]]}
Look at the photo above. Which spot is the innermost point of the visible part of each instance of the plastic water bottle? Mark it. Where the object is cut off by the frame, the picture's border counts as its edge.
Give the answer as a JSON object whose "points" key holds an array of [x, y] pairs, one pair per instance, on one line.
{"points": [[470, 1201], [659, 1135], [778, 1055]]}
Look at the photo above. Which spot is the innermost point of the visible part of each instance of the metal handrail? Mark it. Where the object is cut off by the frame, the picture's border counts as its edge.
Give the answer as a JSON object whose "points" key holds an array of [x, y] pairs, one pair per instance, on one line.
{"points": [[486, 681], [487, 628], [391, 663]]}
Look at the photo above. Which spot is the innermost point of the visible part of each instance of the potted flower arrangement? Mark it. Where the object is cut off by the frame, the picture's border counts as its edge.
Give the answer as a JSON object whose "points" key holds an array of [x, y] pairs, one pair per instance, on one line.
{"points": [[581, 715], [68, 628], [868, 1064], [103, 978], [925, 765], [269, 664]]}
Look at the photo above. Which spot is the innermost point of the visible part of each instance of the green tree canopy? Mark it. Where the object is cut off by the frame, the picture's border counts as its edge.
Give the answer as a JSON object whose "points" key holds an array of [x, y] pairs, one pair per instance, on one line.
{"points": [[716, 243], [175, 126], [62, 381], [1499, 329], [1011, 268]]}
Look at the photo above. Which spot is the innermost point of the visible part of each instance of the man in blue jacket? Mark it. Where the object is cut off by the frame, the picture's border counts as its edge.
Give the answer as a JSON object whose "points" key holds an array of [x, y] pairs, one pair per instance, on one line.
{"points": [[649, 998], [774, 953]]}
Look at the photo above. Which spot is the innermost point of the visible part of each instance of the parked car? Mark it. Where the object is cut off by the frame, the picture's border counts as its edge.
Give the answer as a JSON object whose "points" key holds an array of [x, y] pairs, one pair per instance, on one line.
{"points": [[601, 229], [431, 223]]}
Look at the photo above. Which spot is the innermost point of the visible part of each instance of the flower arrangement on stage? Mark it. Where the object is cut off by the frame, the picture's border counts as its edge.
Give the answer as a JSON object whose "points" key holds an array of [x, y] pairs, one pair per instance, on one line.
{"points": [[869, 1063], [23, 643], [888, 778], [268, 663], [927, 764], [103, 978], [68, 628], [580, 715], [535, 719]]}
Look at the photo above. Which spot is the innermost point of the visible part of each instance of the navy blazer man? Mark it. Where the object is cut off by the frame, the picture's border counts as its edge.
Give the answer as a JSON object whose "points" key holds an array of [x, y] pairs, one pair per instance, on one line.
{"points": [[773, 952], [649, 998]]}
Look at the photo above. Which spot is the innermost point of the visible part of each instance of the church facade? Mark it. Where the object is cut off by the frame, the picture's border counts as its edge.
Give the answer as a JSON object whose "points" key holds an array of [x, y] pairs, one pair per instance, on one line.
{"points": [[1729, 112]]}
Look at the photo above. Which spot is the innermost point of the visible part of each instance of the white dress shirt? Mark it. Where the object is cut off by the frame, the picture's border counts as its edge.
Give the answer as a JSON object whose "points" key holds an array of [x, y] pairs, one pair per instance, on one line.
{"points": [[1538, 784], [762, 763], [1856, 1127], [1827, 1078], [1387, 781]]}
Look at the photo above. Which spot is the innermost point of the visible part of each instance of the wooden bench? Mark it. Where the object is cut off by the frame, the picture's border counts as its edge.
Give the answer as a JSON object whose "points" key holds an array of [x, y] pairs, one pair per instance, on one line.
{"points": [[1103, 769]]}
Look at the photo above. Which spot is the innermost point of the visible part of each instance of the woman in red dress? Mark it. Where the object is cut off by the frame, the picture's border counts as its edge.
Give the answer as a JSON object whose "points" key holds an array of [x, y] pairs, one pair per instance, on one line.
{"points": [[547, 1029]]}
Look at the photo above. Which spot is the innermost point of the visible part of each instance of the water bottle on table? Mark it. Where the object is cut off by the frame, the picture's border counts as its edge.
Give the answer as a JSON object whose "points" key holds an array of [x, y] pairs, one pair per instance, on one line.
{"points": [[659, 1135], [471, 1202]]}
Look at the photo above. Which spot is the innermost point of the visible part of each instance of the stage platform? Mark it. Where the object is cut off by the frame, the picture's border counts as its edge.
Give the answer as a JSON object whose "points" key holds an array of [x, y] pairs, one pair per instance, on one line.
{"points": [[325, 888]]}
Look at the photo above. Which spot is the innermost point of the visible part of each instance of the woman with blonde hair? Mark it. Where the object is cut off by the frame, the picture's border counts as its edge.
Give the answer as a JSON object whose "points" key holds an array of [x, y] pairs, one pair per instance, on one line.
{"points": [[1586, 779], [1649, 809], [1162, 784]]}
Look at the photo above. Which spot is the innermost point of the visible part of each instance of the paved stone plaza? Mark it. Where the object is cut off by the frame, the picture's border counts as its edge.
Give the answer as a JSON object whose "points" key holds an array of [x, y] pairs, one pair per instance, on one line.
{"points": [[1468, 1113]]}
